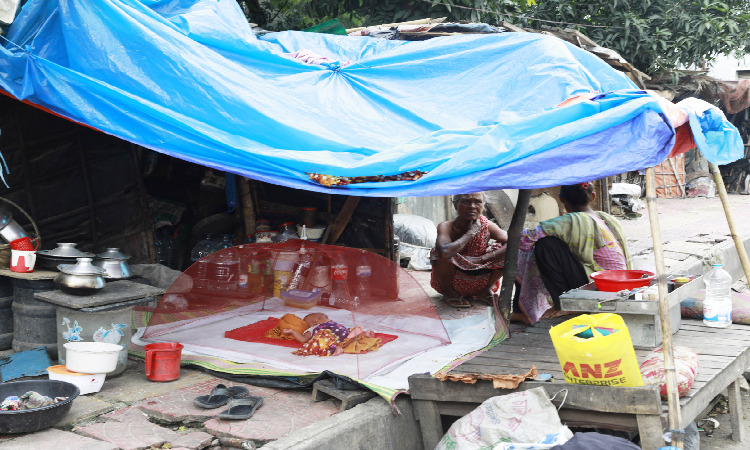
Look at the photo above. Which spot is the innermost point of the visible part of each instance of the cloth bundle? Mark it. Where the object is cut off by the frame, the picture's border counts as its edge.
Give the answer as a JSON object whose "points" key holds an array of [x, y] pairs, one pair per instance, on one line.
{"points": [[287, 322], [686, 363], [29, 400]]}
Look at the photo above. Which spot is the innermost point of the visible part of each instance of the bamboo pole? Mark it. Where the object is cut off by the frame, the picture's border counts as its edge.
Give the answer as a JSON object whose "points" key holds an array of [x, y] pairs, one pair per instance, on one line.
{"points": [[246, 202], [515, 230], [673, 398], [730, 219]]}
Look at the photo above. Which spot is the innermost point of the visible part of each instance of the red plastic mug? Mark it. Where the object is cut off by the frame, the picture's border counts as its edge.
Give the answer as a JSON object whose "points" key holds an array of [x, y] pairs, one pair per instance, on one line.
{"points": [[163, 361]]}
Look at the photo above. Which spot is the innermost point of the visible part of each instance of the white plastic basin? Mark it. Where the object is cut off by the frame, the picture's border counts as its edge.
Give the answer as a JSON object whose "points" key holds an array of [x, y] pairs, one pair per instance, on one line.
{"points": [[91, 357]]}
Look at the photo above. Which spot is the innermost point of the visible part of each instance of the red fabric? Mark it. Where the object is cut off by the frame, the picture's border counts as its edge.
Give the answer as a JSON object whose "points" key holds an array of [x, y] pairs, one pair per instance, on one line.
{"points": [[683, 141], [255, 332], [464, 284]]}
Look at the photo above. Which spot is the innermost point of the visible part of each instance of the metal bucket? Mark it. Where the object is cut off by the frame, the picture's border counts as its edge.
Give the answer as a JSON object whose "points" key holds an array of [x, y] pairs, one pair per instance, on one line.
{"points": [[33, 321], [110, 327]]}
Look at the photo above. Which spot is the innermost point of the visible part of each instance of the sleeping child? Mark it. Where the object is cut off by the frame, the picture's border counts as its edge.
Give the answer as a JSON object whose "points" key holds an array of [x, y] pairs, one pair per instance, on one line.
{"points": [[325, 337]]}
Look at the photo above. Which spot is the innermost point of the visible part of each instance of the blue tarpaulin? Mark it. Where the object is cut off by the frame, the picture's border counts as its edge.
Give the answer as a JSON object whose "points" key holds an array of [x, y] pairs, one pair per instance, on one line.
{"points": [[188, 78]]}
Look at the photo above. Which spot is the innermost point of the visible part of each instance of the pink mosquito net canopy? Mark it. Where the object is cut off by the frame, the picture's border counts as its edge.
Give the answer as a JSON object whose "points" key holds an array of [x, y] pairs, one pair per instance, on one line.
{"points": [[233, 303]]}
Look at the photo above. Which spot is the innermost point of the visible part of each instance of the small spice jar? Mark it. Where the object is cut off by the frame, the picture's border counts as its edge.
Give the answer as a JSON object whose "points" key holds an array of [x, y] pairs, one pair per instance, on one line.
{"points": [[680, 281]]}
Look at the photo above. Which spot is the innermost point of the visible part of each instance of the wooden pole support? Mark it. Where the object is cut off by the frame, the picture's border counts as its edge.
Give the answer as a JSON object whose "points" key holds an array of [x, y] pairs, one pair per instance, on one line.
{"points": [[515, 230], [730, 219], [673, 398], [246, 204]]}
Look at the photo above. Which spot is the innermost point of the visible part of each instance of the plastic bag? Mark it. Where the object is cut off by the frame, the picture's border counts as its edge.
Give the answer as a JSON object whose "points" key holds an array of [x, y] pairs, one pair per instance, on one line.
{"points": [[521, 417], [419, 257], [415, 230], [601, 360]]}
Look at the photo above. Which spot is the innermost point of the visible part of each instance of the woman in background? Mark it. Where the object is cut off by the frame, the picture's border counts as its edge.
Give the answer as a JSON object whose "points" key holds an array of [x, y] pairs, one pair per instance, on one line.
{"points": [[561, 253]]}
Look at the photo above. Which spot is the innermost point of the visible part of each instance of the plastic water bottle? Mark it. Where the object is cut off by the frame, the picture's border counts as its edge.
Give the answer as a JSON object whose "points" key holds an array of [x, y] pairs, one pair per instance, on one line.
{"points": [[203, 248], [717, 307], [363, 288], [340, 294]]}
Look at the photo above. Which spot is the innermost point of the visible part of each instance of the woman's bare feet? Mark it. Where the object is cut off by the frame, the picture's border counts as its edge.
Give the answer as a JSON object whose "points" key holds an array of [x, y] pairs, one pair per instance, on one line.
{"points": [[520, 317], [553, 313]]}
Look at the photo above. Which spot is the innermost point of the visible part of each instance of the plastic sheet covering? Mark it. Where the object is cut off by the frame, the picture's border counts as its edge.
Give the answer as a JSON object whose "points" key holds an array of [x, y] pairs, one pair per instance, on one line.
{"points": [[189, 78], [223, 305]]}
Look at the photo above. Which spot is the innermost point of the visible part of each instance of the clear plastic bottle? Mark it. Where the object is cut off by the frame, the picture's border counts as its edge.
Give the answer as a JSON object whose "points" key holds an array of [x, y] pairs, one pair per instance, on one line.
{"points": [[301, 270], [224, 267], [717, 306], [225, 242], [203, 248], [339, 292], [363, 286]]}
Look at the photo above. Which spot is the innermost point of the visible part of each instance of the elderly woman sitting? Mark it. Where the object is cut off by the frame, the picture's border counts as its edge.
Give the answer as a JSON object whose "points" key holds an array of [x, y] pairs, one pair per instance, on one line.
{"points": [[464, 263]]}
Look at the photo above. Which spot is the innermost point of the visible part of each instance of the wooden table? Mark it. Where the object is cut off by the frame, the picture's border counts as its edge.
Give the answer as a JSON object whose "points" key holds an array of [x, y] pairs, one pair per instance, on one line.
{"points": [[724, 356]]}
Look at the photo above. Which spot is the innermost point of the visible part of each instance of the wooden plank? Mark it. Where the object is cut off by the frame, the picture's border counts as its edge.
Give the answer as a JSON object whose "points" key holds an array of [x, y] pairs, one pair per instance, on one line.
{"points": [[711, 331], [638, 400], [527, 347], [507, 367], [596, 419], [650, 431], [735, 411], [698, 401], [342, 219], [349, 398], [428, 415], [481, 359]]}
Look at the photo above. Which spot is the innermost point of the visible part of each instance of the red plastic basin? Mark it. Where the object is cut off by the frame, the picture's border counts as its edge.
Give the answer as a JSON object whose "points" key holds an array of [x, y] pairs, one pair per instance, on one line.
{"points": [[618, 280]]}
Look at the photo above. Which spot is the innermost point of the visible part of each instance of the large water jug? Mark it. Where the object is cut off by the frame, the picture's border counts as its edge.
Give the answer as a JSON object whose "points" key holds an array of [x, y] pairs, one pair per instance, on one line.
{"points": [[717, 307]]}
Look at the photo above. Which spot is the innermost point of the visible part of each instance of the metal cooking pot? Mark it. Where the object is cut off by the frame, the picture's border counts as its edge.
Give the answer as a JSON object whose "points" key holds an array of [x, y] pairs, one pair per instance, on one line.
{"points": [[79, 284], [10, 230], [115, 269]]}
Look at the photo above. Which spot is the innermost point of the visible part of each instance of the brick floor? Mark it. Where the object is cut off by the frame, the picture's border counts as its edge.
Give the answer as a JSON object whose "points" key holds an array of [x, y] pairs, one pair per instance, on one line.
{"points": [[281, 414], [177, 406], [131, 435], [196, 440], [125, 415], [135, 432], [55, 439]]}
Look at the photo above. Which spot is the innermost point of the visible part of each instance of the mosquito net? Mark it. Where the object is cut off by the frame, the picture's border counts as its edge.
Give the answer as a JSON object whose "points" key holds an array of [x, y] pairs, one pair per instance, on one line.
{"points": [[241, 304]]}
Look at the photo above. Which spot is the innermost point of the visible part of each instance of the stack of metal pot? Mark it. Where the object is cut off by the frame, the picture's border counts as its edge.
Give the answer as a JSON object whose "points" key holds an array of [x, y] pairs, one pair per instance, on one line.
{"points": [[115, 263]]}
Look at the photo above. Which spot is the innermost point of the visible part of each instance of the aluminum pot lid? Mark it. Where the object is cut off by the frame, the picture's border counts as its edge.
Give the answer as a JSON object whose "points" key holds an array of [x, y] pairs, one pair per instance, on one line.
{"points": [[113, 253], [83, 267], [66, 250]]}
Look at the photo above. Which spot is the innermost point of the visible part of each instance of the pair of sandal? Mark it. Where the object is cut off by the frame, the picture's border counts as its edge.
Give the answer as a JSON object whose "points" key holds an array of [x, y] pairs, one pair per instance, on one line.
{"points": [[241, 406], [459, 302]]}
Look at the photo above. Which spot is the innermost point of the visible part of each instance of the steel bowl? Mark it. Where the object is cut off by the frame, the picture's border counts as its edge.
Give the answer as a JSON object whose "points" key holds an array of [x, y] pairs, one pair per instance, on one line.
{"points": [[79, 284], [10, 230], [115, 269]]}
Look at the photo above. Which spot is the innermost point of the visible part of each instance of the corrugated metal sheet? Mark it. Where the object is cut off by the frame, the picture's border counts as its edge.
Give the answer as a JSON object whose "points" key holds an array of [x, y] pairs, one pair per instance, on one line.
{"points": [[433, 208]]}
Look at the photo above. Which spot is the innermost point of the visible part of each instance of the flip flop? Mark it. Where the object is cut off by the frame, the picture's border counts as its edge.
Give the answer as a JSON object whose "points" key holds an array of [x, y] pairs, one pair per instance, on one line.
{"points": [[241, 409], [459, 303], [219, 396]]}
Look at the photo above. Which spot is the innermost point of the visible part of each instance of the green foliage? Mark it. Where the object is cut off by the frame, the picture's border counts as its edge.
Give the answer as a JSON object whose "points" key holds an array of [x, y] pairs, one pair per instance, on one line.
{"points": [[300, 14], [657, 35], [653, 35]]}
